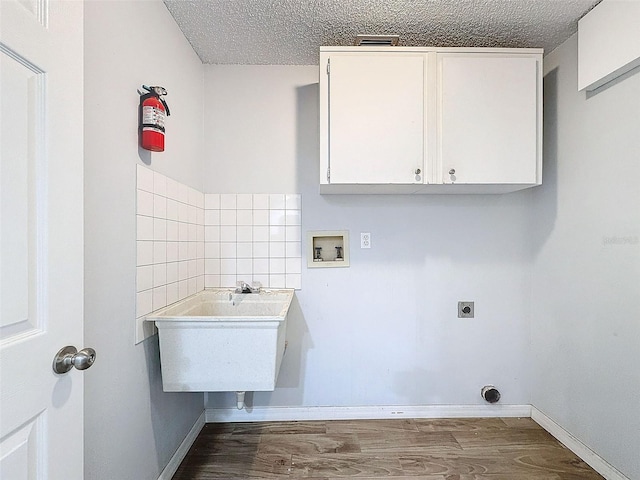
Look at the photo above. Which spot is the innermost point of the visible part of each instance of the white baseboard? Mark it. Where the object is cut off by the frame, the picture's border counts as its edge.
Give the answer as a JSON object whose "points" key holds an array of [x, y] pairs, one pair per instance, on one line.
{"points": [[594, 460], [273, 414], [183, 449]]}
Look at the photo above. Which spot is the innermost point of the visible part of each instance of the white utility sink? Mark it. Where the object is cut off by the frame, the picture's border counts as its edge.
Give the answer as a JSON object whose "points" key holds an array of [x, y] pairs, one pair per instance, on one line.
{"points": [[221, 341]]}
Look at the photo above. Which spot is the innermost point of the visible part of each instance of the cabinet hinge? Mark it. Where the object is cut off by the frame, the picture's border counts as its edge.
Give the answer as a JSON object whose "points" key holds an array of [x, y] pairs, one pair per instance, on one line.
{"points": [[328, 66], [328, 174]]}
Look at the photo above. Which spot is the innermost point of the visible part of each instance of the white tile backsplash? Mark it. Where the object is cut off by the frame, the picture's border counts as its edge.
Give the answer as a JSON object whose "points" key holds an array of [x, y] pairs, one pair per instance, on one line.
{"points": [[244, 250], [144, 179], [211, 250], [172, 209], [228, 217], [159, 206], [172, 273], [183, 289], [261, 266], [276, 265], [145, 203], [170, 243], [228, 201], [183, 212], [277, 281], [276, 201], [244, 201], [293, 249], [277, 217], [196, 198], [159, 252], [159, 184], [261, 201], [244, 233], [292, 202], [212, 266], [212, 201], [252, 231], [144, 277], [261, 217], [144, 227], [183, 193], [293, 265], [261, 233], [228, 250], [159, 297], [192, 215], [172, 231], [187, 241], [212, 217], [183, 251], [292, 217], [172, 293], [244, 266], [276, 250], [144, 303], [228, 281], [172, 189], [144, 252], [293, 233], [261, 279], [228, 233], [276, 233], [244, 217], [183, 271], [172, 252], [261, 250], [159, 229]]}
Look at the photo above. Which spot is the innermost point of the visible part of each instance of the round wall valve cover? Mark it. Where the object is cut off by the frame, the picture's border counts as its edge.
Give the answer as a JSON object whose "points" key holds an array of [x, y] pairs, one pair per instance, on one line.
{"points": [[490, 393]]}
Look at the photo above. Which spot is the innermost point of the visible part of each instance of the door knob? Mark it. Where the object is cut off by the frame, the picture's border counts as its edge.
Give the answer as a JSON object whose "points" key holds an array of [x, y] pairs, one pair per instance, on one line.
{"points": [[452, 171], [69, 357], [418, 171]]}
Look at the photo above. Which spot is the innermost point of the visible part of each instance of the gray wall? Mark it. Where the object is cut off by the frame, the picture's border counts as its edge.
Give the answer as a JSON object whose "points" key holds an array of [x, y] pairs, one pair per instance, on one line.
{"points": [[586, 266], [384, 331], [132, 428]]}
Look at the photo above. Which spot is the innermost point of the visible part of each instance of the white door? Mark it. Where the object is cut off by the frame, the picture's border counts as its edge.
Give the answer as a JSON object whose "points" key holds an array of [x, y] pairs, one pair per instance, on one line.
{"points": [[41, 237], [488, 118], [377, 118]]}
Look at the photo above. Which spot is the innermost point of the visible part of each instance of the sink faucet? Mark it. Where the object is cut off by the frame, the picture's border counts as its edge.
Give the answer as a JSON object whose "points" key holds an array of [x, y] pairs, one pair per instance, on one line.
{"points": [[244, 287]]}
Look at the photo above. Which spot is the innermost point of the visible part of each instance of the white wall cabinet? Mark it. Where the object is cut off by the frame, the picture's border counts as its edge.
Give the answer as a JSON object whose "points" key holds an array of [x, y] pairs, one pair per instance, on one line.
{"points": [[488, 118], [608, 43], [430, 120], [377, 115]]}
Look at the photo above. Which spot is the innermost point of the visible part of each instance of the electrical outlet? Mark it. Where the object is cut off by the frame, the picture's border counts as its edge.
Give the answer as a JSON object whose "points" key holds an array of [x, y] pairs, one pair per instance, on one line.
{"points": [[465, 309], [365, 240]]}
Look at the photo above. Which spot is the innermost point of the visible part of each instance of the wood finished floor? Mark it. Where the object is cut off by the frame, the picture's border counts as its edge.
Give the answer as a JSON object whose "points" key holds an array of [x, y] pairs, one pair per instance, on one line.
{"points": [[410, 449]]}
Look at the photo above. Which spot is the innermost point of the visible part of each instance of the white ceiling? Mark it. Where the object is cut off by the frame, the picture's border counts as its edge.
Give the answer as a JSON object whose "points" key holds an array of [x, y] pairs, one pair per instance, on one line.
{"points": [[289, 32]]}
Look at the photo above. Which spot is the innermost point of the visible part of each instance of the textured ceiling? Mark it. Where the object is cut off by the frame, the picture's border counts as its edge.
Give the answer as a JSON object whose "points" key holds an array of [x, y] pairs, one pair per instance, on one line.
{"points": [[289, 32]]}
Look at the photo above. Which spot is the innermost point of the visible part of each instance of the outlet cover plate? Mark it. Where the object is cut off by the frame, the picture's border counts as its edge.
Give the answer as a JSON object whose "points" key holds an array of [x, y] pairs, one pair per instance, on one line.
{"points": [[465, 309], [365, 240]]}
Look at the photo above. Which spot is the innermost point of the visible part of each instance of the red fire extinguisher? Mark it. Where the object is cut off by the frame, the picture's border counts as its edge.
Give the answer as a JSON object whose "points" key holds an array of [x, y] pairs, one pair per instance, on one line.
{"points": [[152, 113]]}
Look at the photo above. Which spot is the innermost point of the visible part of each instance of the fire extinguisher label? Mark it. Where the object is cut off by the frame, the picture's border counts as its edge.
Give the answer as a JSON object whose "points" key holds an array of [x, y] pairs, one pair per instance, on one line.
{"points": [[153, 117]]}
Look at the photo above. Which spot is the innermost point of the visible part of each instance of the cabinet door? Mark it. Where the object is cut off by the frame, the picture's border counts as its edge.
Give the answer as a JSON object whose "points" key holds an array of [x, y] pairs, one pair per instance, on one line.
{"points": [[488, 118], [376, 118]]}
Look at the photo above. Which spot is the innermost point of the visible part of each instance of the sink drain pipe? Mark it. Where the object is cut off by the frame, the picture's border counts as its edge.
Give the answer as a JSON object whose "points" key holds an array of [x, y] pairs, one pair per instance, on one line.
{"points": [[240, 400], [489, 393]]}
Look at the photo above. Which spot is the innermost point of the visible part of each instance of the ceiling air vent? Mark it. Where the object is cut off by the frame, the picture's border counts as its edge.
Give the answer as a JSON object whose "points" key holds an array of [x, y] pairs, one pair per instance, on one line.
{"points": [[377, 40]]}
